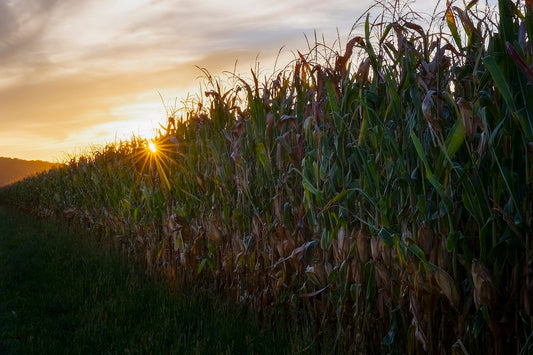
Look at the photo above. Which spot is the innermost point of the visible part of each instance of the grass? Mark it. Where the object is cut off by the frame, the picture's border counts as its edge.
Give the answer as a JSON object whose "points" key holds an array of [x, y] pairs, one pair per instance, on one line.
{"points": [[62, 294]]}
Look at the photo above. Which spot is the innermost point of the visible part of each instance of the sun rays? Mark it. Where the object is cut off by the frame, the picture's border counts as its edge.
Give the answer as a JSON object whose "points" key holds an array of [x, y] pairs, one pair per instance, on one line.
{"points": [[152, 159], [152, 147]]}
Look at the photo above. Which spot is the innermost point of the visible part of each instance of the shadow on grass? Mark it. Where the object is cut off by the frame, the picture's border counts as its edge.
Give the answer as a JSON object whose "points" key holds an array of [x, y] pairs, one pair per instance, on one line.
{"points": [[62, 294]]}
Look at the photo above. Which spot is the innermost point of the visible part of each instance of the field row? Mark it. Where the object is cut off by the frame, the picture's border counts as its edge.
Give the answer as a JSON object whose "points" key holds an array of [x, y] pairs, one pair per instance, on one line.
{"points": [[380, 195]]}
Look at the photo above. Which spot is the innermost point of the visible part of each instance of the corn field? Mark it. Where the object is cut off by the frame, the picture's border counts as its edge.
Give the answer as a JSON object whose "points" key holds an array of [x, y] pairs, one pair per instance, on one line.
{"points": [[379, 197]]}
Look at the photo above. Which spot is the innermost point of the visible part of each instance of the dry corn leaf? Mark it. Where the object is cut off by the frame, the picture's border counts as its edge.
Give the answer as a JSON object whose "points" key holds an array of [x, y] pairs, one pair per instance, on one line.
{"points": [[484, 288], [467, 115], [313, 294], [517, 58], [317, 275], [213, 233], [375, 247], [429, 110], [448, 287], [363, 246], [415, 27], [425, 237]]}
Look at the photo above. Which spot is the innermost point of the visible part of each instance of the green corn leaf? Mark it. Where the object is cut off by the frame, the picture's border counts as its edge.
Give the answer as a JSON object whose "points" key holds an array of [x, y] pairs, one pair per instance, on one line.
{"points": [[395, 105], [502, 85], [398, 245], [325, 240], [471, 4], [500, 81], [369, 276], [337, 197], [455, 139], [505, 175], [387, 235], [420, 150], [522, 116], [386, 32], [262, 156], [308, 185], [419, 253], [450, 20], [506, 25], [135, 215], [201, 266], [475, 201], [416, 251], [332, 98], [369, 49], [429, 173], [452, 240]]}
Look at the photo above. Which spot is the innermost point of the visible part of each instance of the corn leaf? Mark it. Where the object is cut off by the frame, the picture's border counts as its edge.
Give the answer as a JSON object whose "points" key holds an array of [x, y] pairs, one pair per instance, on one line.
{"points": [[450, 20], [500, 81]]}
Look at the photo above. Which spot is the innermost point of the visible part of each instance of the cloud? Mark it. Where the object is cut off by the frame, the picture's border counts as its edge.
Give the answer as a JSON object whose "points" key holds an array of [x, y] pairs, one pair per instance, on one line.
{"points": [[74, 100], [71, 66], [81, 105]]}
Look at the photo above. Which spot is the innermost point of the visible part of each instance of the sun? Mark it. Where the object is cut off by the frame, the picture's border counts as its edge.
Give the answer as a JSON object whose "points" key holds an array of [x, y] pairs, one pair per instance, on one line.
{"points": [[152, 159], [152, 147]]}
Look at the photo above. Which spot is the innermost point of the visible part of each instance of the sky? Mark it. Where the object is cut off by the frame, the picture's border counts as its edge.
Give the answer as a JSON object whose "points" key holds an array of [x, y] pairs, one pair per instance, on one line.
{"points": [[76, 74]]}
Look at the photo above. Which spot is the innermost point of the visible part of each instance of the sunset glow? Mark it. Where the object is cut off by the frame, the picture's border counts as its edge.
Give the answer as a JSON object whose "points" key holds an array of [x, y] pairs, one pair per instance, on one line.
{"points": [[152, 147], [84, 73]]}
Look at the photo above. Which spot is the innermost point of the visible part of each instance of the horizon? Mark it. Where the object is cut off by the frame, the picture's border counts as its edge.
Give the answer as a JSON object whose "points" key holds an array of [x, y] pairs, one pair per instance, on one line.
{"points": [[80, 75]]}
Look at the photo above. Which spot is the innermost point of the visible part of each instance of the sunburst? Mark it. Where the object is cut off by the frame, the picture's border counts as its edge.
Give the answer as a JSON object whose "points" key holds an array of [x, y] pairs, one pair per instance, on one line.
{"points": [[155, 158], [152, 147]]}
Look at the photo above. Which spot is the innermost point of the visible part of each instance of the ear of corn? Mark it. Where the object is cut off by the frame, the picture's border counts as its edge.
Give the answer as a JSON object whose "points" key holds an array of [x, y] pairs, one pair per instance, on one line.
{"points": [[387, 208]]}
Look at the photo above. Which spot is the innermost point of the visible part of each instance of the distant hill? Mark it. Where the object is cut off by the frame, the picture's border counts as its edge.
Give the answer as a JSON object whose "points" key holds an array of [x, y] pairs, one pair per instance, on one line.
{"points": [[12, 170]]}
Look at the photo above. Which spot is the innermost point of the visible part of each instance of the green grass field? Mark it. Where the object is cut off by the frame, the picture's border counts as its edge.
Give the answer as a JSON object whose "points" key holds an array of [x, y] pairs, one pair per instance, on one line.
{"points": [[60, 294]]}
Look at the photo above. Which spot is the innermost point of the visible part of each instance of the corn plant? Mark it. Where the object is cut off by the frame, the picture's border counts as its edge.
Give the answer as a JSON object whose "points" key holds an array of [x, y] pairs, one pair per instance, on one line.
{"points": [[379, 196]]}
